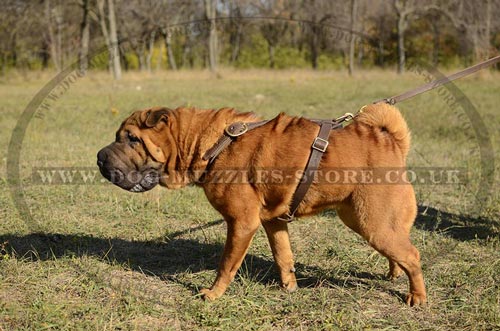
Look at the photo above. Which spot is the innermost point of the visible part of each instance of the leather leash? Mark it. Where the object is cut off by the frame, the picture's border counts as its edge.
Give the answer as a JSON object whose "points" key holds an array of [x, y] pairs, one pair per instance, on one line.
{"points": [[438, 82]]}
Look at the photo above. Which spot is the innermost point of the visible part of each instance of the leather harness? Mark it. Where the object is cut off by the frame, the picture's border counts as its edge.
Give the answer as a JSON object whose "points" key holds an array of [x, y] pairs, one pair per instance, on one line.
{"points": [[320, 143], [318, 148]]}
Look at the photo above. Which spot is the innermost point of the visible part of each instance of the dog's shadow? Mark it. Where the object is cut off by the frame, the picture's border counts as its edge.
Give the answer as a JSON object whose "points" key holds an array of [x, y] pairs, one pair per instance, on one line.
{"points": [[458, 227], [168, 257]]}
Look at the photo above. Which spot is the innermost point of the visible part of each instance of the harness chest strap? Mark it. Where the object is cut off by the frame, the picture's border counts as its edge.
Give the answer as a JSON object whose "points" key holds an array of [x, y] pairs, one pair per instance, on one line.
{"points": [[318, 148]]}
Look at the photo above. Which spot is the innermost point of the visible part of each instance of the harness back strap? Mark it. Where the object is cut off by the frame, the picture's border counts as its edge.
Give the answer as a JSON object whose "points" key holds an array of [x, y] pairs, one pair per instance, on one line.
{"points": [[318, 148]]}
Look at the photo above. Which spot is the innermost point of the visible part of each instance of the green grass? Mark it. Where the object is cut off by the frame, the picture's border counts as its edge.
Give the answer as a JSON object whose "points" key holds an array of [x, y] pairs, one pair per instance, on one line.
{"points": [[105, 259]]}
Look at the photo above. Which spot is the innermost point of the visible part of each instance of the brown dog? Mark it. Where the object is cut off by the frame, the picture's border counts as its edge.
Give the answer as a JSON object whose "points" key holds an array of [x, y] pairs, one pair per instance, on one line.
{"points": [[166, 146]]}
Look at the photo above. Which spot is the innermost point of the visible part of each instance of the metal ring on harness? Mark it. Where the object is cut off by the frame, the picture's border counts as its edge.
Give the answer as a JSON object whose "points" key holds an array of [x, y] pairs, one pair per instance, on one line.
{"points": [[344, 118], [236, 129]]}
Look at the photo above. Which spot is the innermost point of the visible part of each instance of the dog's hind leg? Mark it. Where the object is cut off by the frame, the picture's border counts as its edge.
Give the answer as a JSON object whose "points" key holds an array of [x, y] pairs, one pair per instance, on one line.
{"points": [[279, 240], [239, 236], [395, 270], [385, 224], [350, 218], [399, 249]]}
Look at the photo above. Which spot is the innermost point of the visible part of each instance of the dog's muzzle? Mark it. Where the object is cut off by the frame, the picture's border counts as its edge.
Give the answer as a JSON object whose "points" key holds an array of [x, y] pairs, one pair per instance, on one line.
{"points": [[122, 166]]}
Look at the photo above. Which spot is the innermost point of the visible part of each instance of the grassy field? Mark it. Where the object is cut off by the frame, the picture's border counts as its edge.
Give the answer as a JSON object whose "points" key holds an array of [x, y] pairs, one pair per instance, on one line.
{"points": [[99, 258]]}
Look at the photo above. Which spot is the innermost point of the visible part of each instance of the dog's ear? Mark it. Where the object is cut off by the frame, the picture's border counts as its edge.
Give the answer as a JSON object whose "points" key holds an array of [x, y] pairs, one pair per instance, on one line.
{"points": [[152, 117], [155, 151]]}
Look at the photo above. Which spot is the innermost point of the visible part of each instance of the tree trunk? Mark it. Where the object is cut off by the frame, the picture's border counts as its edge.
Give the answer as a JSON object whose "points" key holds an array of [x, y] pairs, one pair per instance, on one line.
{"points": [[314, 52], [210, 12], [59, 23], [113, 38], [13, 48], [380, 57], [476, 48], [123, 59], [361, 54], [487, 30], [168, 44], [236, 44], [314, 49], [352, 42], [151, 46], [401, 43], [435, 41], [139, 54], [313, 43], [187, 55], [84, 38], [138, 49], [160, 57], [105, 33], [270, 49], [44, 54], [3, 64], [53, 39]]}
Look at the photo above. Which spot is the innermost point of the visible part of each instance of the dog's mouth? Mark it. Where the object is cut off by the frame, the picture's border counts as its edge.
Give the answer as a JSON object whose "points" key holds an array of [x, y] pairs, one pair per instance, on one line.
{"points": [[150, 179], [132, 181], [127, 172]]}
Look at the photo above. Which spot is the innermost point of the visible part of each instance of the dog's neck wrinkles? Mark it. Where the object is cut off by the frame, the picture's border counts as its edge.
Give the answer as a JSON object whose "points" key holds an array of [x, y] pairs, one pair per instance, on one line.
{"points": [[196, 131]]}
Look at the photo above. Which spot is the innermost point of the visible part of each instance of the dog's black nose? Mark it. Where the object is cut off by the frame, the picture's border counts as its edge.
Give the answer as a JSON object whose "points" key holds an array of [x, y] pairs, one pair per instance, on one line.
{"points": [[101, 157]]}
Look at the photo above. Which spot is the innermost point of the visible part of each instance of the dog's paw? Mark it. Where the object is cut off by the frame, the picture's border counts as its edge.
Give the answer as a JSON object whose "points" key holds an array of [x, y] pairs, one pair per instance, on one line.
{"points": [[209, 295], [290, 287], [416, 299], [394, 274]]}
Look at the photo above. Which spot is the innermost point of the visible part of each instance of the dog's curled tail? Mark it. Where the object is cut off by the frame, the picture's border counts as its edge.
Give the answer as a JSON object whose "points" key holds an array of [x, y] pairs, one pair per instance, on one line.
{"points": [[387, 118]]}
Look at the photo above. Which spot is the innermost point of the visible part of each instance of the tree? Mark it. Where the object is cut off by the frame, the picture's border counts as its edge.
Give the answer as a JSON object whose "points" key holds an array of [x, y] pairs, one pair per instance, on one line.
{"points": [[113, 38], [167, 37], [84, 37], [352, 42], [211, 14], [51, 33], [143, 22], [275, 27], [318, 12], [403, 10], [110, 34], [474, 18], [54, 19], [236, 26]]}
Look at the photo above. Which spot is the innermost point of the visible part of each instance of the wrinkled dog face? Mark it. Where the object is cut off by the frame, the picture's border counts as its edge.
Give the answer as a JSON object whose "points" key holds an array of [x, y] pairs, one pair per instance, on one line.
{"points": [[135, 160]]}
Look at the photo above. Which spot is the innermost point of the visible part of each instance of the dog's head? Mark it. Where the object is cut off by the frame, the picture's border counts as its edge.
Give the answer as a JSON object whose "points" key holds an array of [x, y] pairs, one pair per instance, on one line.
{"points": [[137, 159]]}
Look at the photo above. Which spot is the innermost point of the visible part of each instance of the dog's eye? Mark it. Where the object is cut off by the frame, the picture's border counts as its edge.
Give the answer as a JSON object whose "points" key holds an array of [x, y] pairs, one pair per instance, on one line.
{"points": [[132, 138]]}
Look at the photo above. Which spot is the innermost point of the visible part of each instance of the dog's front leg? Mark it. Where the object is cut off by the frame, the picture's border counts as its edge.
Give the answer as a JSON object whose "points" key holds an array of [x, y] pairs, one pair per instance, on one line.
{"points": [[239, 236], [279, 240]]}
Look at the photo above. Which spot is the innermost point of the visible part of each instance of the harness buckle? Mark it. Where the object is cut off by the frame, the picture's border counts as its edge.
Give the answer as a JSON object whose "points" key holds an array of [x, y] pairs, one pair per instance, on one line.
{"points": [[320, 144], [236, 129]]}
